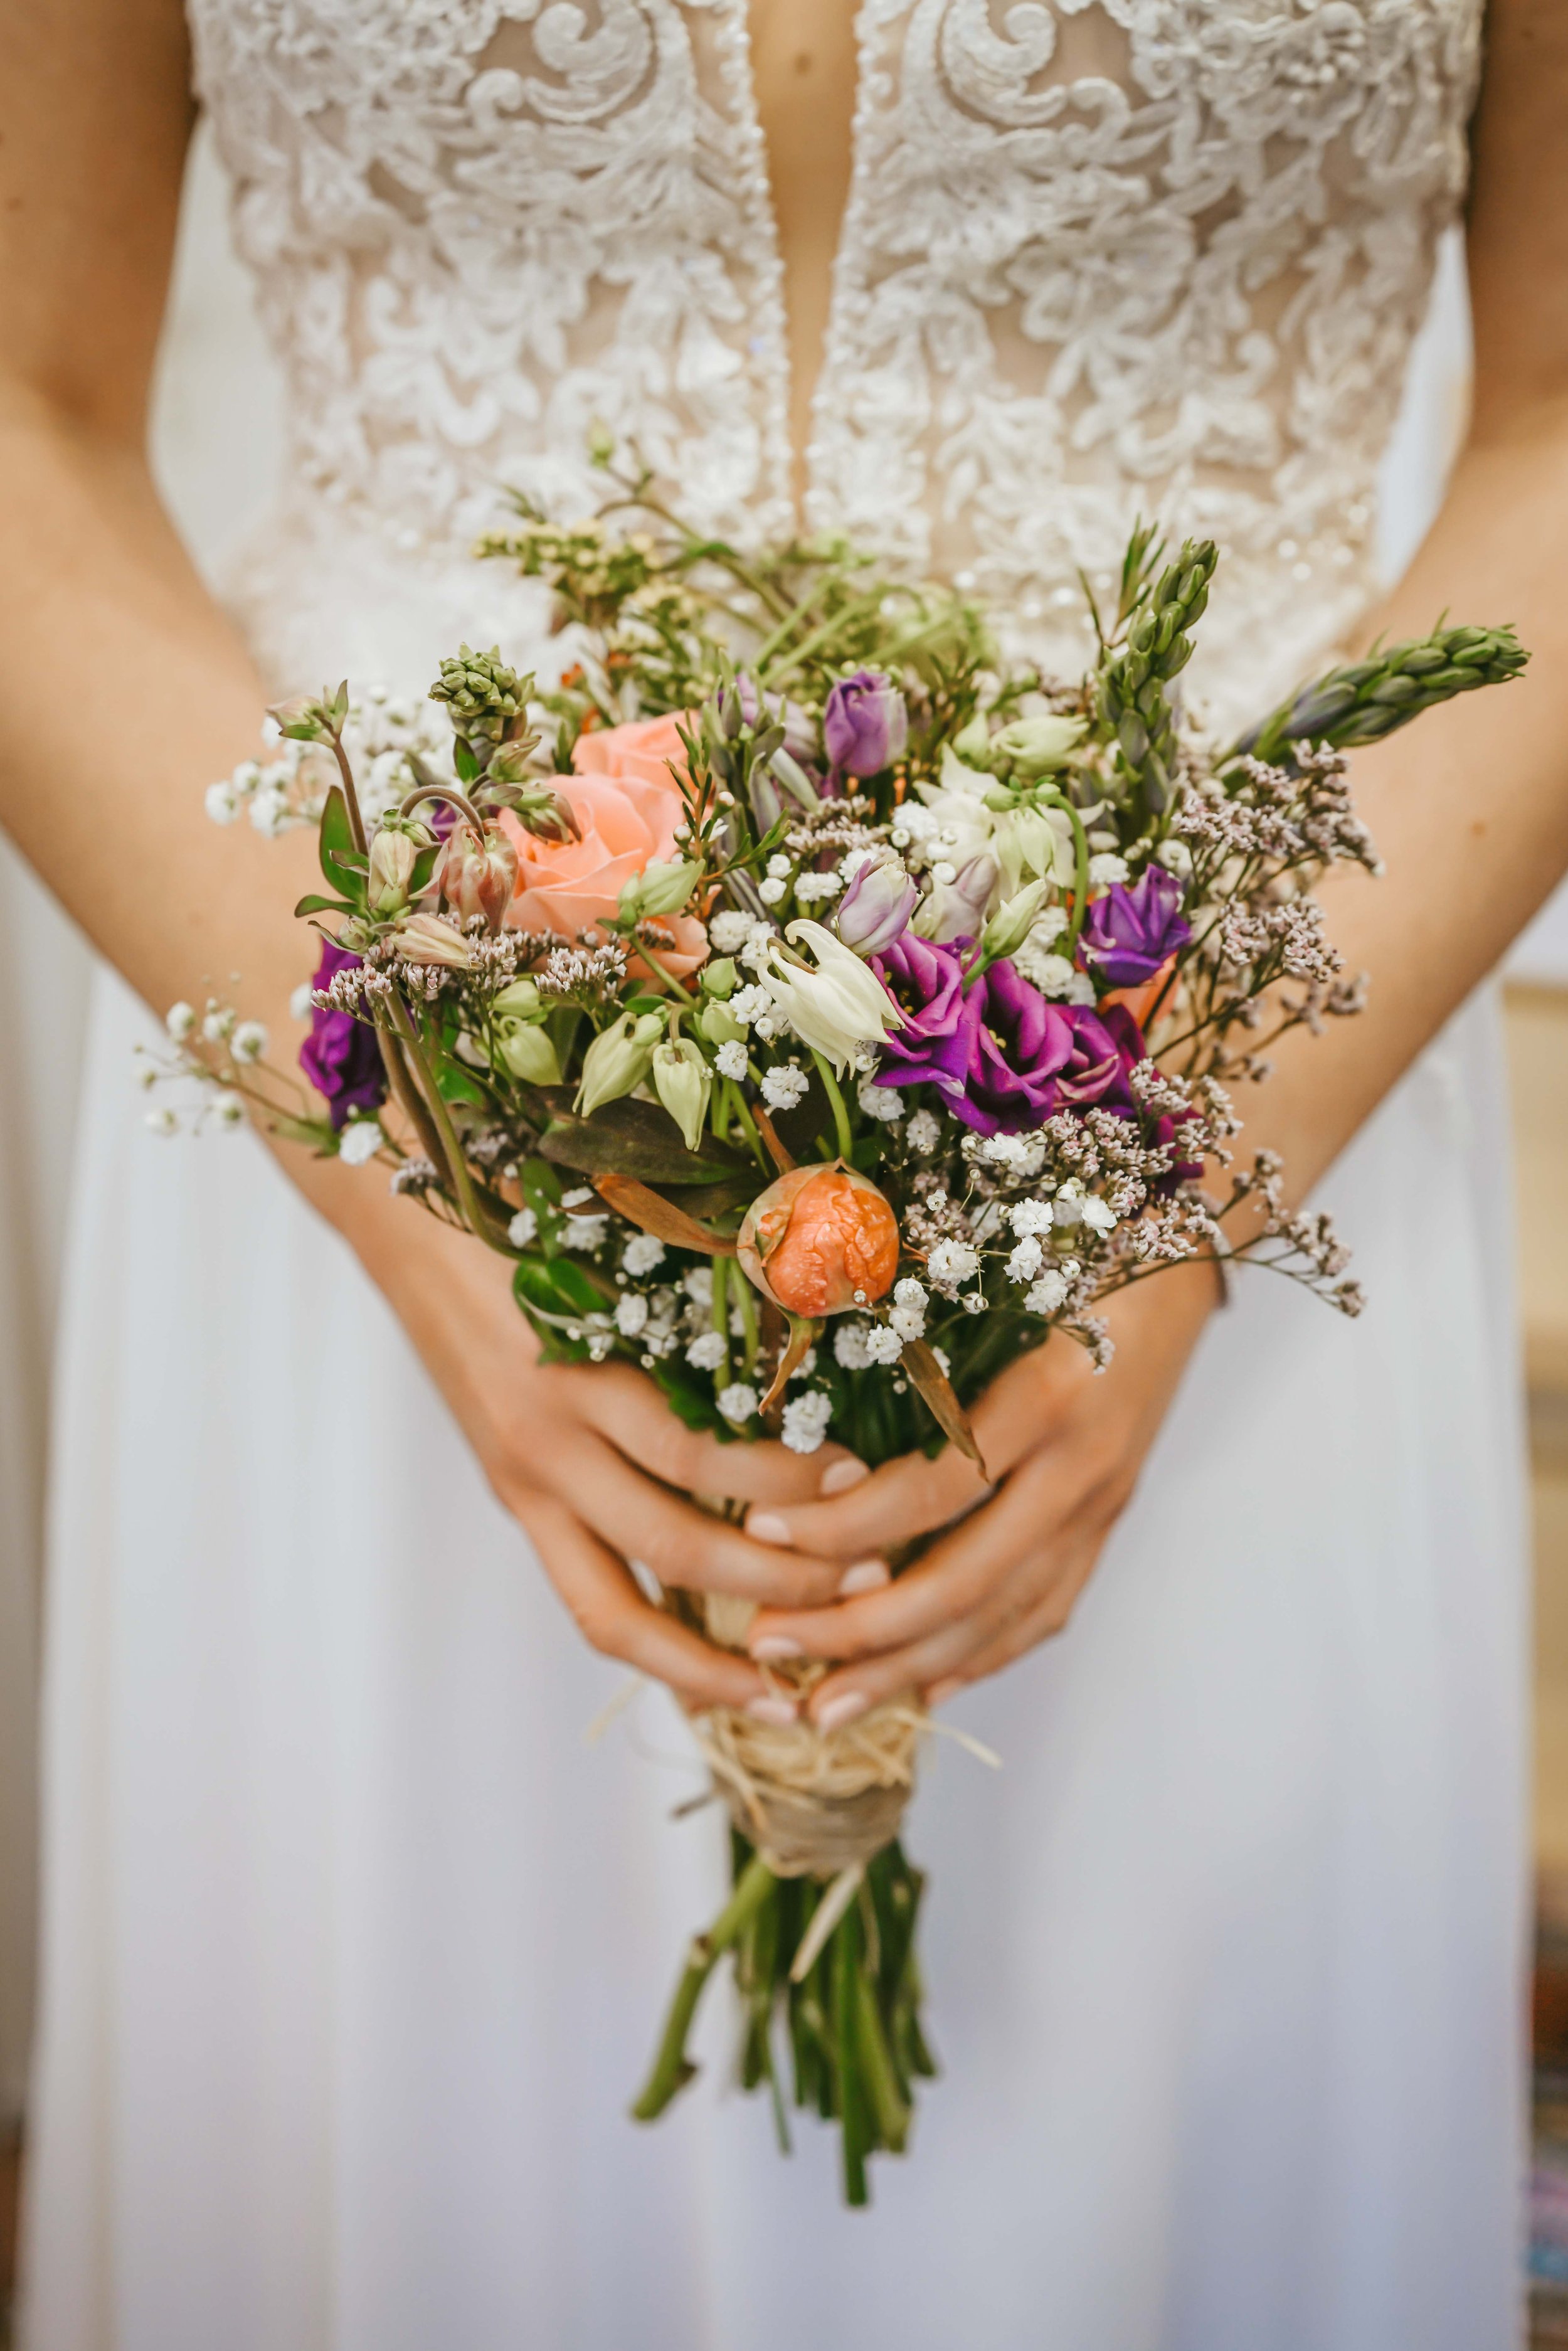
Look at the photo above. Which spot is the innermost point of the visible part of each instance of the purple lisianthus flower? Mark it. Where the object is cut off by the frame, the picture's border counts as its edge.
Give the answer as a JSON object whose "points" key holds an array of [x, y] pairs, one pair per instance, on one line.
{"points": [[1128, 934], [340, 1056], [1004, 1056], [926, 983], [865, 724]]}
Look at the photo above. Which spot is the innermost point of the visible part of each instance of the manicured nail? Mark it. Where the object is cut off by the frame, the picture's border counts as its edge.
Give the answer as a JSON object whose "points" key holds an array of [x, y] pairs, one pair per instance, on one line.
{"points": [[866, 1575], [767, 1526], [835, 1712], [773, 1709], [940, 1692], [840, 1476], [771, 1648]]}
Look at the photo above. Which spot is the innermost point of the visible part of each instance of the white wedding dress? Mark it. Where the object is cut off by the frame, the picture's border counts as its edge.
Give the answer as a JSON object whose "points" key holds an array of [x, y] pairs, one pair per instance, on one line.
{"points": [[354, 1949]]}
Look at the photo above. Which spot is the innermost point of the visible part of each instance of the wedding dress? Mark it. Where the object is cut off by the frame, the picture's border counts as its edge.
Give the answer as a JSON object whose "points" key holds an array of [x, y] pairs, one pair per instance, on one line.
{"points": [[353, 1947]]}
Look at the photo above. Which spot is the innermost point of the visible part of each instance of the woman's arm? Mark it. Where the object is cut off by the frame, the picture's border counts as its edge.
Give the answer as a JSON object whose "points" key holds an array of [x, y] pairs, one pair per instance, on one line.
{"points": [[124, 692], [1470, 809]]}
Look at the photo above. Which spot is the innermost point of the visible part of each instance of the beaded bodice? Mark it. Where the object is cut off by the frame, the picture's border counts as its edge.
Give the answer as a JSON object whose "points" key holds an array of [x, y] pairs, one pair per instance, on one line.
{"points": [[1099, 256]]}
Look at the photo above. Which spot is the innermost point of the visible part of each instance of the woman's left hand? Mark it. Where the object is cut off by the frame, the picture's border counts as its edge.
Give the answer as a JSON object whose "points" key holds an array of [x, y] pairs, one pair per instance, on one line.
{"points": [[1062, 1447]]}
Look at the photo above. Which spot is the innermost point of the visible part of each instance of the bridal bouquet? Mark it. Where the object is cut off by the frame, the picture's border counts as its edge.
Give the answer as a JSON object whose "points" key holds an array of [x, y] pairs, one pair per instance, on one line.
{"points": [[819, 1013]]}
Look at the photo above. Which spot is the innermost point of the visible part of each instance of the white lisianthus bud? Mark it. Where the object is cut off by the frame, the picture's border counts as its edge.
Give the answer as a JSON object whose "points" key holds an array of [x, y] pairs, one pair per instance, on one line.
{"points": [[525, 1049], [682, 1082], [661, 888], [425, 939], [1034, 745], [1010, 925], [393, 858], [619, 1059], [836, 1007], [519, 1001]]}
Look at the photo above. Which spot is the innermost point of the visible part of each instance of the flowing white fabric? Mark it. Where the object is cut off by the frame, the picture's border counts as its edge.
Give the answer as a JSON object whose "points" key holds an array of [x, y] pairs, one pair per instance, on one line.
{"points": [[353, 1949]]}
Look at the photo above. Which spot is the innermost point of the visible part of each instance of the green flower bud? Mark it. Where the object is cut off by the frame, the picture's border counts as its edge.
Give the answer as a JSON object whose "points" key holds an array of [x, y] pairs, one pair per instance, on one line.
{"points": [[618, 1059], [1034, 745], [718, 1026], [683, 1084], [528, 1052], [972, 743], [718, 978], [519, 1001], [1010, 925], [659, 889], [394, 856]]}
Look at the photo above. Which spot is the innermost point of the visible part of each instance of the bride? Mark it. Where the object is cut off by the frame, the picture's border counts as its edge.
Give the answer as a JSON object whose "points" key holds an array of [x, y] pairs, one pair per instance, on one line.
{"points": [[352, 1949]]}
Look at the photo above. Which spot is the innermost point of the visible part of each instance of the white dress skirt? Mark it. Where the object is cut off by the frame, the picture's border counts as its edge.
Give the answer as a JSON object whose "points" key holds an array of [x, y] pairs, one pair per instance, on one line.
{"points": [[356, 1947]]}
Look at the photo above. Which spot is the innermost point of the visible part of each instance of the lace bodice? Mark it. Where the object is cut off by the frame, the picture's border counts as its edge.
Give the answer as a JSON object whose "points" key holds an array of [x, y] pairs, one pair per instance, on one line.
{"points": [[1100, 255]]}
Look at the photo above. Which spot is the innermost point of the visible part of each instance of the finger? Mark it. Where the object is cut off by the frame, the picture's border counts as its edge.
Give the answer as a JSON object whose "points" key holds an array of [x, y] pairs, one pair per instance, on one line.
{"points": [[845, 1695], [615, 1618], [625, 1407], [911, 1496], [1063, 1581], [953, 1579], [680, 1544]]}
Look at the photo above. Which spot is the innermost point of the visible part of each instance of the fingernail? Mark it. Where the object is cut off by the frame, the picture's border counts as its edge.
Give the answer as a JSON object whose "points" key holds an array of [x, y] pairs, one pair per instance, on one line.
{"points": [[866, 1575], [773, 1709], [840, 1476], [940, 1692], [772, 1647], [835, 1712], [767, 1526]]}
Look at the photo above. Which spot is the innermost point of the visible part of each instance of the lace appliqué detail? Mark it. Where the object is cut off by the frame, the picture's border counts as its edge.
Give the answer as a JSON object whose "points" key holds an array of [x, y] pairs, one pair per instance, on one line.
{"points": [[1099, 256], [1139, 253]]}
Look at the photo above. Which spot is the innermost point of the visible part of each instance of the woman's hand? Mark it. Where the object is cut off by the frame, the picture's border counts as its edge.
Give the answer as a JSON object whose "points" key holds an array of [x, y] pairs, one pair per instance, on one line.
{"points": [[586, 1459], [1064, 1447]]}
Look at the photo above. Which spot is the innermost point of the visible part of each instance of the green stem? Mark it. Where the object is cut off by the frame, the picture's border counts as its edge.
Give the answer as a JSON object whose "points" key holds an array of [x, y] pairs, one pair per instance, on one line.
{"points": [[671, 982], [475, 1214], [1081, 869], [721, 1315], [807, 644], [673, 2069], [841, 1115], [748, 1125], [746, 1303]]}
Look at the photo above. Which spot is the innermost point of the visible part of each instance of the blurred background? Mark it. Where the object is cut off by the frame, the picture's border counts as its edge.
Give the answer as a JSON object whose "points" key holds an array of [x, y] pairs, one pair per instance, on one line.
{"points": [[218, 450]]}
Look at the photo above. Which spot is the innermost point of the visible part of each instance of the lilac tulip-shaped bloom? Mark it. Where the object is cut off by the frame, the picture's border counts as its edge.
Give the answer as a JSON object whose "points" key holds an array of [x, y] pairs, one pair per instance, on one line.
{"points": [[865, 724], [874, 911], [340, 1056], [1128, 934]]}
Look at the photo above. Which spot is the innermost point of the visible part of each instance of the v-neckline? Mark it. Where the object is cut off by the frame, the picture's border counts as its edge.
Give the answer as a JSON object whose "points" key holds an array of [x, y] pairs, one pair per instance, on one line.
{"points": [[797, 460]]}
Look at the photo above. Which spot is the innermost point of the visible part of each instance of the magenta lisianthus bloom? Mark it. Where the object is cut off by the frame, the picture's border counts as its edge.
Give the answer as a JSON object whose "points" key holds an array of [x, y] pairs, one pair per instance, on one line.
{"points": [[1004, 1057], [865, 724], [1128, 934], [926, 983], [340, 1056]]}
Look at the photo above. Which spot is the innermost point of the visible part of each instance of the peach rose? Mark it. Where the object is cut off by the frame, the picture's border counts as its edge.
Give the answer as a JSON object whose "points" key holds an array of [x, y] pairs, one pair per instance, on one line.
{"points": [[820, 1241], [627, 805]]}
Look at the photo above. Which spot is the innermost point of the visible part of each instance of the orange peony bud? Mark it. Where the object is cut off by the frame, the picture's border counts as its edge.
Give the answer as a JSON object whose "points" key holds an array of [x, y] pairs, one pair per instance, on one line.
{"points": [[820, 1241]]}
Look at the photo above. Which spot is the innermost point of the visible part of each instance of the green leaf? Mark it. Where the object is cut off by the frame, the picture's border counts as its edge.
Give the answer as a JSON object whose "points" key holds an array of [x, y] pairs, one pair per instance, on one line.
{"points": [[336, 837], [454, 1084], [467, 765], [636, 1139], [314, 904], [562, 1286]]}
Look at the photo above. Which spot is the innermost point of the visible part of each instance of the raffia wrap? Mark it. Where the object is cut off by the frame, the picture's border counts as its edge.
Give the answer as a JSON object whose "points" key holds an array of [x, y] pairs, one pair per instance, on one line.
{"points": [[813, 1803]]}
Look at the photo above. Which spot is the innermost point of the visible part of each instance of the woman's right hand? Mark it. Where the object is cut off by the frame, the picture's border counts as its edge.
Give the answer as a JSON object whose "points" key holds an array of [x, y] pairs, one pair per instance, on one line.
{"points": [[589, 1458]]}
